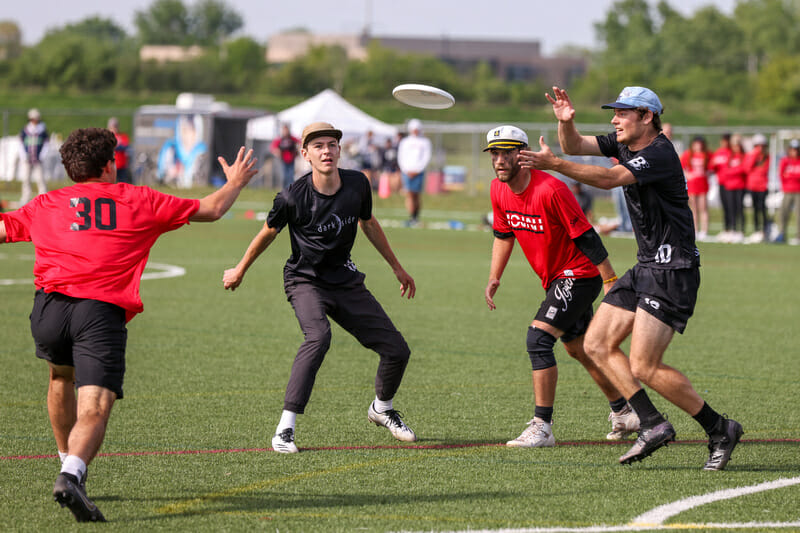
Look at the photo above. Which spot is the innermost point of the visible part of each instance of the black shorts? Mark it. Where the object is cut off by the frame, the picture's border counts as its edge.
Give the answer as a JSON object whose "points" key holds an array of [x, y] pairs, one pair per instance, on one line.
{"points": [[668, 295], [568, 305], [89, 335]]}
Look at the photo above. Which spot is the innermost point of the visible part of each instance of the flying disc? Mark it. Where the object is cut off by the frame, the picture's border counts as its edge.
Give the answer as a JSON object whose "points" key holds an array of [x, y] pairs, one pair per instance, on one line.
{"points": [[424, 96]]}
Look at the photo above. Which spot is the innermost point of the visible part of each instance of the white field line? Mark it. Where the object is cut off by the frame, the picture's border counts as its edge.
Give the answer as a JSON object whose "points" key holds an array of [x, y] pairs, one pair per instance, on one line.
{"points": [[163, 271], [655, 518]]}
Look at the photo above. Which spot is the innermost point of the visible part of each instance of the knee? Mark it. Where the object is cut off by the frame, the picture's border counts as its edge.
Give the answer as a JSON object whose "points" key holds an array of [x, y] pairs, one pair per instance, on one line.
{"points": [[642, 371], [540, 348], [318, 341], [595, 347]]}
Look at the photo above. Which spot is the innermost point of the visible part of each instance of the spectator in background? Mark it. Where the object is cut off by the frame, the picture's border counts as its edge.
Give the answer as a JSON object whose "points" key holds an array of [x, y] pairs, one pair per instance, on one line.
{"points": [[696, 165], [719, 160], [121, 155], [369, 158], [734, 175], [284, 148], [585, 200], [389, 169], [789, 172], [413, 155], [756, 164], [33, 146]]}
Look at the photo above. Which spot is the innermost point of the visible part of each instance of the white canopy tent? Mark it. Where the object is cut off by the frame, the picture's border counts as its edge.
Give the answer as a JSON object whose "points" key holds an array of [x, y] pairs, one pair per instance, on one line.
{"points": [[326, 106]]}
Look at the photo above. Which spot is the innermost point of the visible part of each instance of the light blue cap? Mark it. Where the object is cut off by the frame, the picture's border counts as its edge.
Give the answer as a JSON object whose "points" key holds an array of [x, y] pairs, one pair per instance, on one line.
{"points": [[632, 97]]}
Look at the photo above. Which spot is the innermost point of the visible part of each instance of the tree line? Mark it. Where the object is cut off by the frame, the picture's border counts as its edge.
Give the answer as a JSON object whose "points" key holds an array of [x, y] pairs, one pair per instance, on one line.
{"points": [[748, 59]]}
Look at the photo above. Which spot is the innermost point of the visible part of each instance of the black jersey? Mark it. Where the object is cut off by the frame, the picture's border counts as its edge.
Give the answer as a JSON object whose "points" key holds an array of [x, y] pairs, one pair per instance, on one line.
{"points": [[658, 202], [322, 228]]}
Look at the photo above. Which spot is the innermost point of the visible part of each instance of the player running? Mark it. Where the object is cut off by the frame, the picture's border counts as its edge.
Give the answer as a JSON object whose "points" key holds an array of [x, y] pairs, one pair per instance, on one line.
{"points": [[323, 211], [657, 296], [564, 250], [92, 241]]}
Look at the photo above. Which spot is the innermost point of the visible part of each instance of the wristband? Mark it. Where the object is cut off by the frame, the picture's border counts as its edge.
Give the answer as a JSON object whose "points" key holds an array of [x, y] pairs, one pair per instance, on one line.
{"points": [[612, 279]]}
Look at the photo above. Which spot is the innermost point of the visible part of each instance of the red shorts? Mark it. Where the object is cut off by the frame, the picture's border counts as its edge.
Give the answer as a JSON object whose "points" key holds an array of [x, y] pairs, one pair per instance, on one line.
{"points": [[697, 186]]}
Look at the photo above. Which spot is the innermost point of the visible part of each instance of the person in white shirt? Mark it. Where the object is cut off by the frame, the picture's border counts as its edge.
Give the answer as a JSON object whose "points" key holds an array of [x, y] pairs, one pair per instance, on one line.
{"points": [[413, 155]]}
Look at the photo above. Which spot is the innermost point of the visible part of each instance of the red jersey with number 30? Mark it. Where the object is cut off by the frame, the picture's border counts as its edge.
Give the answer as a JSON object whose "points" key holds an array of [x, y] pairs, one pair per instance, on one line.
{"points": [[544, 219], [92, 239]]}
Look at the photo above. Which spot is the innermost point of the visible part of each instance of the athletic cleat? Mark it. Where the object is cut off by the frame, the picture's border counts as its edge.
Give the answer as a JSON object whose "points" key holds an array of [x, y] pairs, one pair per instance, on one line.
{"points": [[283, 442], [69, 492], [393, 421], [721, 445], [538, 434], [623, 424], [649, 441]]}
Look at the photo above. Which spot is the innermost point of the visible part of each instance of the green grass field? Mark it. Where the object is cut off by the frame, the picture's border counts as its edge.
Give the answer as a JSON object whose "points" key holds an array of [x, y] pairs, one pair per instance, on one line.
{"points": [[188, 447]]}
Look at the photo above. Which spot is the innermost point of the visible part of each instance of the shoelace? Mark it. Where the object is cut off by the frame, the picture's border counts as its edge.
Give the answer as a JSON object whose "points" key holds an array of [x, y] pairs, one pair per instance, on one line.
{"points": [[395, 417]]}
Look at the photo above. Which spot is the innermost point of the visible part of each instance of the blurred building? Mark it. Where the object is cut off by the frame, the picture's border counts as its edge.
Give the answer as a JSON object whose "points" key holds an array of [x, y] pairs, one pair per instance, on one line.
{"points": [[513, 60]]}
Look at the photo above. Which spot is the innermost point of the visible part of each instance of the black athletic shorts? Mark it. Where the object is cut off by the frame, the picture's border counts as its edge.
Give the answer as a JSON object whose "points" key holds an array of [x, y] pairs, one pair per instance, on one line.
{"points": [[89, 335], [568, 305], [668, 295]]}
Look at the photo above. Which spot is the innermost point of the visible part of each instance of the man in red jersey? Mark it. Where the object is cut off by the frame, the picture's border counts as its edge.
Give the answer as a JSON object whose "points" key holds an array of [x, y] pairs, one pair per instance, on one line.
{"points": [[92, 241], [564, 250]]}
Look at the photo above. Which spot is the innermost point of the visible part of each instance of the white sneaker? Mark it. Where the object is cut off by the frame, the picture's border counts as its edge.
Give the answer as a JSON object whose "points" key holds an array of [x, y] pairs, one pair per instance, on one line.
{"points": [[794, 241], [755, 238], [393, 421], [283, 442], [623, 424], [538, 434]]}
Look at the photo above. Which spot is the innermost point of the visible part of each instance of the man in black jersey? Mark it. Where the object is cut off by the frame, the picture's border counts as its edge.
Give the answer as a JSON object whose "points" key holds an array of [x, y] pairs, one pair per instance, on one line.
{"points": [[323, 210], [657, 296]]}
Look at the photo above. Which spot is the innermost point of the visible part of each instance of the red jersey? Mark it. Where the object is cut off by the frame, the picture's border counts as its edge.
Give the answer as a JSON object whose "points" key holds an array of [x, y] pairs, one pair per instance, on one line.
{"points": [[734, 174], [696, 166], [789, 171], [92, 239], [121, 151], [544, 219], [757, 165]]}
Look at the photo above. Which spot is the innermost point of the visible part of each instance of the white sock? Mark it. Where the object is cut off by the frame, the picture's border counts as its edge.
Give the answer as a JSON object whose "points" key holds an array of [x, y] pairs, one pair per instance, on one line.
{"points": [[74, 465], [382, 406], [62, 456], [288, 420]]}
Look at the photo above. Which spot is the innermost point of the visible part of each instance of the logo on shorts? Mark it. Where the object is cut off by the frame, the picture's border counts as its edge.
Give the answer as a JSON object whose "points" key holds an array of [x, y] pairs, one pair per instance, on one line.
{"points": [[639, 163], [652, 303], [563, 292], [551, 312]]}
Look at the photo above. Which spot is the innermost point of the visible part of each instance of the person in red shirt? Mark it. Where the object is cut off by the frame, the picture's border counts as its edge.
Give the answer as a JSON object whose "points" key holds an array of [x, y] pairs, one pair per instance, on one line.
{"points": [[733, 174], [719, 160], [756, 163], [121, 152], [92, 240], [284, 148], [789, 172], [539, 211], [696, 165]]}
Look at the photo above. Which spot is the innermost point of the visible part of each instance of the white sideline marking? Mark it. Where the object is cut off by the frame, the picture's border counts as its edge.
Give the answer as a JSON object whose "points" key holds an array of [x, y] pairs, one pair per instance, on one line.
{"points": [[663, 512], [654, 519], [165, 271]]}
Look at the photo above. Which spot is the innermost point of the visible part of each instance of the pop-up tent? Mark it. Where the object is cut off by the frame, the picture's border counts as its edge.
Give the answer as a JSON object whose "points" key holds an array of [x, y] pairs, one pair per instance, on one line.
{"points": [[326, 106]]}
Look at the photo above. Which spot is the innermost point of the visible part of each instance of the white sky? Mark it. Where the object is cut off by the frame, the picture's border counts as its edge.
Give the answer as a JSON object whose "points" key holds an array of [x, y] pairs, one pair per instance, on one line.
{"points": [[554, 23]]}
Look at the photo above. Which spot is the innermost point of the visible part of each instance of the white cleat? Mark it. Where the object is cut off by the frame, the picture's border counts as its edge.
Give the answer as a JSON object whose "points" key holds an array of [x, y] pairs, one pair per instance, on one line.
{"points": [[623, 424], [393, 421], [538, 434], [283, 442]]}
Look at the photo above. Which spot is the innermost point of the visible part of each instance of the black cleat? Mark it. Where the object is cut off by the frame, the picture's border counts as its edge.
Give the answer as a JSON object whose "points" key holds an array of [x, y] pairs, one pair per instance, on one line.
{"points": [[649, 441], [722, 443], [69, 492]]}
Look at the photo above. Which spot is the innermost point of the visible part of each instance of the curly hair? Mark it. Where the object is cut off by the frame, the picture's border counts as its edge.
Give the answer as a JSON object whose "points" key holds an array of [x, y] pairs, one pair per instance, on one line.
{"points": [[86, 152]]}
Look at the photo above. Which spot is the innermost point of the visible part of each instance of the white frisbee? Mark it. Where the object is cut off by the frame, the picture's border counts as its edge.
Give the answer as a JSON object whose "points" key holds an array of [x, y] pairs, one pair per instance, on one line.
{"points": [[424, 96]]}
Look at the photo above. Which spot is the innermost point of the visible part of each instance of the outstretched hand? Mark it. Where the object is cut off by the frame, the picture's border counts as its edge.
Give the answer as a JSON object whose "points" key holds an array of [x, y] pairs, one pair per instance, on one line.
{"points": [[491, 289], [541, 160], [562, 107], [242, 169]]}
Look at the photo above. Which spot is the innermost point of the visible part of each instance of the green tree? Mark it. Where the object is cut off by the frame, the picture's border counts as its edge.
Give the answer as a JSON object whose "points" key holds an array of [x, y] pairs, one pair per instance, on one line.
{"points": [[779, 84], [164, 22], [211, 22], [770, 27]]}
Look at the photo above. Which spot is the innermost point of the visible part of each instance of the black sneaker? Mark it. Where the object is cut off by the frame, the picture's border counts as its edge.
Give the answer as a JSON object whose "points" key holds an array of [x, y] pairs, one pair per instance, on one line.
{"points": [[649, 441], [70, 492], [722, 443]]}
